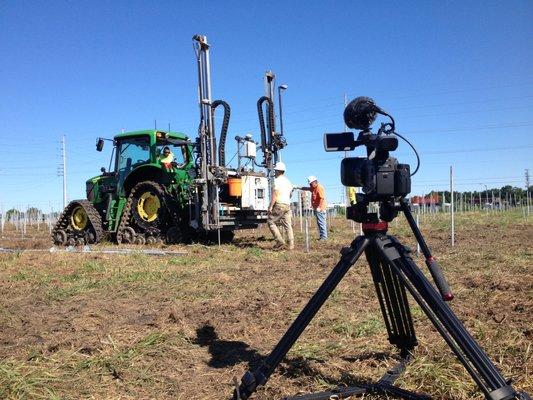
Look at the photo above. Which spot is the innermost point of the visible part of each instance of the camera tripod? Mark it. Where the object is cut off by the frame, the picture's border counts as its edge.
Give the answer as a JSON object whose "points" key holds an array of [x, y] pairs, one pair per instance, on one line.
{"points": [[393, 271]]}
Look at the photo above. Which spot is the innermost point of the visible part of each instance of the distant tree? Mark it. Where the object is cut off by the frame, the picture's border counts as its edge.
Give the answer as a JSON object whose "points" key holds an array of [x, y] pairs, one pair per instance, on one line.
{"points": [[12, 213], [33, 213]]}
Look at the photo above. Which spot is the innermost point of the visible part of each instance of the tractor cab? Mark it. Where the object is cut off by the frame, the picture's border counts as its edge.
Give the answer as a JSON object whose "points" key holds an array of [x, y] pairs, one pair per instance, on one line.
{"points": [[141, 155]]}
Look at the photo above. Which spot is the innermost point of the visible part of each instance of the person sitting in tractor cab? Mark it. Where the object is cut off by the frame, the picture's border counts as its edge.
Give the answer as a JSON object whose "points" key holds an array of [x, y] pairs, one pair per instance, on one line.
{"points": [[166, 158]]}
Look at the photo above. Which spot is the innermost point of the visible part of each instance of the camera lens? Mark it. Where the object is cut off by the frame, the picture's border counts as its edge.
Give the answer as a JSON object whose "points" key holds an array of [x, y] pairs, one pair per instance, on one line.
{"points": [[356, 171]]}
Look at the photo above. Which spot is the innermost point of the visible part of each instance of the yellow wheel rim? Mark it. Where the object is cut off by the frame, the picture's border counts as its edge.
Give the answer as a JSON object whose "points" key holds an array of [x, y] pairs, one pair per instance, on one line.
{"points": [[148, 206], [79, 218]]}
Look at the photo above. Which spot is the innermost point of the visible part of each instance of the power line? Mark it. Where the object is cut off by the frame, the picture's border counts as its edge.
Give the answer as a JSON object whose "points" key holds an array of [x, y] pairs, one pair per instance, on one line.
{"points": [[472, 150], [460, 129], [339, 104], [338, 115]]}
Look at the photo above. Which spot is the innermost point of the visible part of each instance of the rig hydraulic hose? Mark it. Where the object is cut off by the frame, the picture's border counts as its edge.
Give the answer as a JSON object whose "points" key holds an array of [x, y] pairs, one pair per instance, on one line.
{"points": [[265, 140], [223, 130]]}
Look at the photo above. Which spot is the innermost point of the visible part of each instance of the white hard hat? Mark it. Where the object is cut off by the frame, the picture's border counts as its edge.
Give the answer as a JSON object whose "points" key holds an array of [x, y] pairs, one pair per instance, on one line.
{"points": [[311, 179], [280, 166]]}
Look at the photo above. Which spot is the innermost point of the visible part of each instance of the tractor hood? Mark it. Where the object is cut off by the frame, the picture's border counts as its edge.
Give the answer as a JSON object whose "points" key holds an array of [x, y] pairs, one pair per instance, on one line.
{"points": [[98, 185]]}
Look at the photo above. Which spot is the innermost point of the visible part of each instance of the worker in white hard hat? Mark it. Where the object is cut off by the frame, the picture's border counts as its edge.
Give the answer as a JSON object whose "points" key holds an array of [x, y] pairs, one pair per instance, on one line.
{"points": [[279, 210], [319, 204]]}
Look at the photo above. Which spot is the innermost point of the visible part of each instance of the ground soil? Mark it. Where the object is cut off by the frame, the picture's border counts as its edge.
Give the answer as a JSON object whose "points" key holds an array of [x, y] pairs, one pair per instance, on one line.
{"points": [[104, 326]]}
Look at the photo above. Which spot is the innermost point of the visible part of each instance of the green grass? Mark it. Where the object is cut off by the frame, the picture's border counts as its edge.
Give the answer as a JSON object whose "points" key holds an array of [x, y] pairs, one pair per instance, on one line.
{"points": [[22, 380], [314, 351], [355, 329]]}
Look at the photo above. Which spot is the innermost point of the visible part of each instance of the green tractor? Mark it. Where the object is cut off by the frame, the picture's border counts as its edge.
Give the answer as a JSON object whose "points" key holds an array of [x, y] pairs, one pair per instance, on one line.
{"points": [[163, 187], [143, 198]]}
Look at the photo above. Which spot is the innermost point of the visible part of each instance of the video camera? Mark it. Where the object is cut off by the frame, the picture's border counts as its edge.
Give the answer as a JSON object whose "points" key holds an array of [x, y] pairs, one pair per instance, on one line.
{"points": [[381, 177]]}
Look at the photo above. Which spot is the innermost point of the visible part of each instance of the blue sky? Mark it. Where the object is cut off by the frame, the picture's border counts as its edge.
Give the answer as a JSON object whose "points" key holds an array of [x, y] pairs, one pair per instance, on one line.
{"points": [[456, 76]]}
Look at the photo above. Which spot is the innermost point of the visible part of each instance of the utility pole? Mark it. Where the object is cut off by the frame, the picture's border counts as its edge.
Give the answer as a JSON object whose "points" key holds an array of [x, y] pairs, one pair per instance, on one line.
{"points": [[527, 189], [3, 217], [62, 170], [486, 198], [451, 205]]}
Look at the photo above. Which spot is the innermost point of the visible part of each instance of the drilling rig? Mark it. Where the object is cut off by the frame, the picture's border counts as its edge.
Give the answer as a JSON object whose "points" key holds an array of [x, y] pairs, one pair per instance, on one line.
{"points": [[165, 186]]}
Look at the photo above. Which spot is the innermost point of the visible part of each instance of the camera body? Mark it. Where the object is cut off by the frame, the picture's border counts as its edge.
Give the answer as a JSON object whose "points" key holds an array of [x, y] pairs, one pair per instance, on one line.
{"points": [[379, 179]]}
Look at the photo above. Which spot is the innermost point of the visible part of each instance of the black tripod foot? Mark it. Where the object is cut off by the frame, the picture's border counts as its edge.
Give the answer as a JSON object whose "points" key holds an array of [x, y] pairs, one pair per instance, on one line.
{"points": [[384, 386], [376, 388]]}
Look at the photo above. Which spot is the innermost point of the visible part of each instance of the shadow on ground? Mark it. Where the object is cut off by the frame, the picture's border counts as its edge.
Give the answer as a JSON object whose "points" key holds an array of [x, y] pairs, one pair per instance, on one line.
{"points": [[225, 353]]}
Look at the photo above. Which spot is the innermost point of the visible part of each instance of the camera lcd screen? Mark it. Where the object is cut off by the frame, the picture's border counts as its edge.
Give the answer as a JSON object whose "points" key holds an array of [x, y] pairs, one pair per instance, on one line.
{"points": [[339, 141]]}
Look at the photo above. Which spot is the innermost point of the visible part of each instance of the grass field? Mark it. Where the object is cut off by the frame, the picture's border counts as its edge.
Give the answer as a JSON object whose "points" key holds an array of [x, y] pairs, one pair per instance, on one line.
{"points": [[103, 326]]}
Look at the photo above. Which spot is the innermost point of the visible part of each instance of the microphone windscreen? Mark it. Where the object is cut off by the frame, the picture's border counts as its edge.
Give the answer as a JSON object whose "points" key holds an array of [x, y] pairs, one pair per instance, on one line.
{"points": [[360, 113]]}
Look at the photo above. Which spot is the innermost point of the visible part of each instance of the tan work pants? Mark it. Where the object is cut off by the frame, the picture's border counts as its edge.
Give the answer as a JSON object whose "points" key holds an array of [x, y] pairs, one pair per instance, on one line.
{"points": [[281, 215]]}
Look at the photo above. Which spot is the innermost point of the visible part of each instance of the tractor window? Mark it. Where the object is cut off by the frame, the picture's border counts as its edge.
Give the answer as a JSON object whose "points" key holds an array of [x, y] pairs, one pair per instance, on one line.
{"points": [[178, 153], [132, 152]]}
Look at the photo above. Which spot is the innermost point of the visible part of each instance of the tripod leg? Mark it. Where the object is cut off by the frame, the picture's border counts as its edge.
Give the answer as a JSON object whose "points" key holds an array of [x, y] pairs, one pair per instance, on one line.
{"points": [[251, 380], [393, 303], [474, 359], [434, 268]]}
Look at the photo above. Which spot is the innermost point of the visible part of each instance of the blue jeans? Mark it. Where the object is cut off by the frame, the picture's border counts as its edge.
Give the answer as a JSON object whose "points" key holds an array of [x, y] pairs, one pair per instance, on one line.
{"points": [[322, 225]]}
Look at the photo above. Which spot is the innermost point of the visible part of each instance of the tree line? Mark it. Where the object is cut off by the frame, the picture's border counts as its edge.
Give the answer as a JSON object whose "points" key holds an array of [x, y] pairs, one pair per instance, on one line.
{"points": [[511, 194]]}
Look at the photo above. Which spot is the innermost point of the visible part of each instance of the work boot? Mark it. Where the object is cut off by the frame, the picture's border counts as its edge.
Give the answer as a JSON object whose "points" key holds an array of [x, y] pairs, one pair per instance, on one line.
{"points": [[291, 244], [279, 245]]}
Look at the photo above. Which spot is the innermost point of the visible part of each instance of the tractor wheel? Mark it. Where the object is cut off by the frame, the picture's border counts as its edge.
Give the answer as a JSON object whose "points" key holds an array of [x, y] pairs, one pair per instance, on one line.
{"points": [[79, 224], [79, 218], [60, 237], [128, 235], [151, 240], [148, 206], [90, 237]]}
